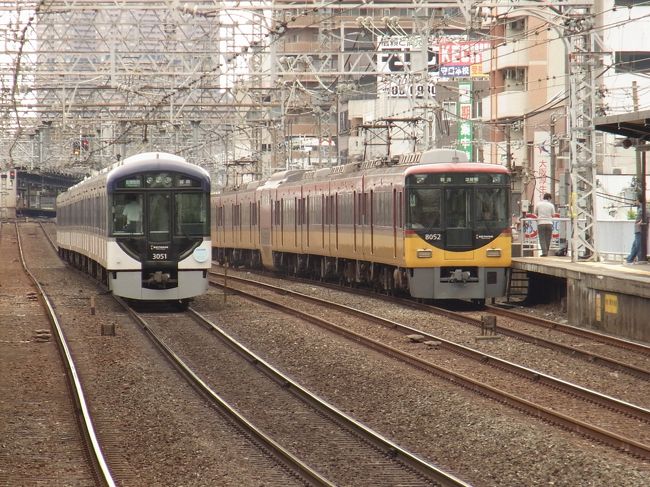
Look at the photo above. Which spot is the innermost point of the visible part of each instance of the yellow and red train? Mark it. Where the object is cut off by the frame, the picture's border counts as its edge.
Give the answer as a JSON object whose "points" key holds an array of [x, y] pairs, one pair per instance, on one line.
{"points": [[432, 225]]}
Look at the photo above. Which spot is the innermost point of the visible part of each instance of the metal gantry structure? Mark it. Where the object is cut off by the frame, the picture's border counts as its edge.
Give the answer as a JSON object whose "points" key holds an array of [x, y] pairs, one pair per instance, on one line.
{"points": [[583, 64], [84, 83]]}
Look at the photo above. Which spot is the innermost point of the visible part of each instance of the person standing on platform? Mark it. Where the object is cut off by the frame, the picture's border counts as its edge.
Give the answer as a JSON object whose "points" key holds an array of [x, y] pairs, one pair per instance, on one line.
{"points": [[545, 210], [635, 252]]}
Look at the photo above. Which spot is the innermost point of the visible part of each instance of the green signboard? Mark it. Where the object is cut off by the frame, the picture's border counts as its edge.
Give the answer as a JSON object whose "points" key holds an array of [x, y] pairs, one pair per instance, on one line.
{"points": [[465, 129]]}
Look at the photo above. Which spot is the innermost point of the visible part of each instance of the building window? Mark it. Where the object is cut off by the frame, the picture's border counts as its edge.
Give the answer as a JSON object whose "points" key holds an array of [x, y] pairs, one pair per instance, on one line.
{"points": [[514, 79], [630, 3], [515, 26], [632, 61]]}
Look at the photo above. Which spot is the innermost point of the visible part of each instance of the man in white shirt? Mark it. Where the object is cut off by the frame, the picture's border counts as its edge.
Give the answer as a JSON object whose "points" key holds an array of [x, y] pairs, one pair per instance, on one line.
{"points": [[133, 214], [545, 210]]}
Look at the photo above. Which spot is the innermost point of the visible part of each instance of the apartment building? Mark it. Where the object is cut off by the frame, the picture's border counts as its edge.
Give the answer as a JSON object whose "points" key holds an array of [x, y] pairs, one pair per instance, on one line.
{"points": [[357, 81], [526, 109]]}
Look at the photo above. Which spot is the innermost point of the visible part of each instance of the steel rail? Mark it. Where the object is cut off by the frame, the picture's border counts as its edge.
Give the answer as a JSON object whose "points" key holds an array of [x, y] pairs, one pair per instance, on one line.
{"points": [[420, 465], [100, 467], [572, 330], [294, 463], [625, 444]]}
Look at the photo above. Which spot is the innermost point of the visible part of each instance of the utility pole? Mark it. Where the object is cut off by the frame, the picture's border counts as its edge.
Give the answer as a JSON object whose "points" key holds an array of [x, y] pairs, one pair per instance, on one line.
{"points": [[553, 162], [576, 33], [582, 61], [644, 212]]}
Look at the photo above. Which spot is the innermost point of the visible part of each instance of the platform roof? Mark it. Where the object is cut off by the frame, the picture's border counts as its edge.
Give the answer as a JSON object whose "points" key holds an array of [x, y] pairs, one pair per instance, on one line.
{"points": [[634, 125]]}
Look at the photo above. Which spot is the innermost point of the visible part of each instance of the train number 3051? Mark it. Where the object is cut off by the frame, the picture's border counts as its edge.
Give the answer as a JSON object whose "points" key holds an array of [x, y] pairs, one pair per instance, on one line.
{"points": [[159, 256], [432, 236]]}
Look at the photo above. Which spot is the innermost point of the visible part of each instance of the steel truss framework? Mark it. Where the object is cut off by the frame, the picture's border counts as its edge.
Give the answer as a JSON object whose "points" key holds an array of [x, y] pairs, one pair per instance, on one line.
{"points": [[85, 82], [583, 61]]}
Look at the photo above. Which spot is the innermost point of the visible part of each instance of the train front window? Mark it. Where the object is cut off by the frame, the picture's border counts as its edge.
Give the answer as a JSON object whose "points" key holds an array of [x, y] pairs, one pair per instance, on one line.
{"points": [[191, 214], [127, 213], [491, 208], [158, 220], [458, 205], [423, 208]]}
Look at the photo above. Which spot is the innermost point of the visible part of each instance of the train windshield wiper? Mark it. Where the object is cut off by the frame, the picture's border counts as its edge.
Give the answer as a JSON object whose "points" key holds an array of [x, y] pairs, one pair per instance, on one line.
{"points": [[187, 235]]}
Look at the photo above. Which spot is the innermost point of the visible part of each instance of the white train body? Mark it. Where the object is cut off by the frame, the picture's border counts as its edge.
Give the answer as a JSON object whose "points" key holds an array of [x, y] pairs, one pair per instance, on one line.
{"points": [[162, 255]]}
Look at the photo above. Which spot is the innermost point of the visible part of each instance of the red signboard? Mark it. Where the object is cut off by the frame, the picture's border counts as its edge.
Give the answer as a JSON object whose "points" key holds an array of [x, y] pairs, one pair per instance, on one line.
{"points": [[462, 53]]}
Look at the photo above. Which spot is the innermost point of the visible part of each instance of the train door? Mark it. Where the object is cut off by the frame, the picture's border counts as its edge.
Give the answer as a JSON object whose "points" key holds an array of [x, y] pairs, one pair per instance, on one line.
{"points": [[304, 226], [159, 217], [307, 221], [336, 222], [371, 222], [331, 227], [459, 227], [265, 211], [361, 235], [280, 215], [236, 221], [323, 218], [296, 227], [159, 227], [257, 223], [355, 220], [250, 214], [395, 222]]}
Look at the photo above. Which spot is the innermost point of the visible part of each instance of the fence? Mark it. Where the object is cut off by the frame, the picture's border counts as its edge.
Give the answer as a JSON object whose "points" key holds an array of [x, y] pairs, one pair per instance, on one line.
{"points": [[613, 238]]}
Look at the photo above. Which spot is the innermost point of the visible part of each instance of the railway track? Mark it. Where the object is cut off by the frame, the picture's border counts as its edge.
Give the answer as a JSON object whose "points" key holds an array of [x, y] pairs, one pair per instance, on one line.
{"points": [[347, 451], [467, 434], [94, 453], [616, 423], [625, 351], [582, 337], [153, 419], [614, 353]]}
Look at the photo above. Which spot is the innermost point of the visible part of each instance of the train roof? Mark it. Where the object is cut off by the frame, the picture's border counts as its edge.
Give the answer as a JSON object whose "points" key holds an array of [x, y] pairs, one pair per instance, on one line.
{"points": [[156, 161], [480, 167], [433, 160], [147, 161]]}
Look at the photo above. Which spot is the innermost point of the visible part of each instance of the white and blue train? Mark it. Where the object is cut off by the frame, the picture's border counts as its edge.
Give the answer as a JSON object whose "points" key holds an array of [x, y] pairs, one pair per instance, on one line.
{"points": [[141, 226]]}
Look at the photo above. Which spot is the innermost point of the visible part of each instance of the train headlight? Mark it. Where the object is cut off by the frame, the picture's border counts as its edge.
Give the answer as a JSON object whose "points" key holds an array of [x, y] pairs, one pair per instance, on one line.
{"points": [[424, 253], [493, 252]]}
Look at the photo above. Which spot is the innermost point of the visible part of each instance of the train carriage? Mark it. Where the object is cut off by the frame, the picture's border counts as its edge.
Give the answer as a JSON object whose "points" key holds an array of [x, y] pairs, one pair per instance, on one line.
{"points": [[433, 225], [141, 226]]}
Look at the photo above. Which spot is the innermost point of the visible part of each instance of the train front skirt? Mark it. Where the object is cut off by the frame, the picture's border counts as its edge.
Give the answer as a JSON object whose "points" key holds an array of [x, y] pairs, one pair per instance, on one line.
{"points": [[457, 282]]}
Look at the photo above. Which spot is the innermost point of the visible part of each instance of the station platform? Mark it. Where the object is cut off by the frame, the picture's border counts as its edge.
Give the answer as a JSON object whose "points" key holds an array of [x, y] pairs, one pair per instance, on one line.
{"points": [[606, 296]]}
